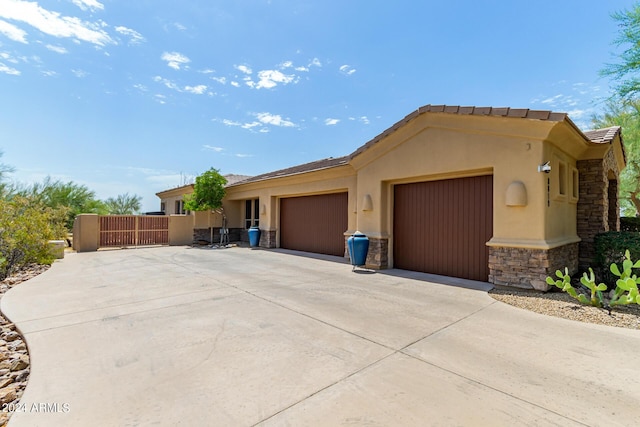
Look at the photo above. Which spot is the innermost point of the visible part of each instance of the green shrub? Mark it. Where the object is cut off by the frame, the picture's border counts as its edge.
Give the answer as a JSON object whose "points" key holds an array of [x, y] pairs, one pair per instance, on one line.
{"points": [[25, 229], [630, 223], [610, 248]]}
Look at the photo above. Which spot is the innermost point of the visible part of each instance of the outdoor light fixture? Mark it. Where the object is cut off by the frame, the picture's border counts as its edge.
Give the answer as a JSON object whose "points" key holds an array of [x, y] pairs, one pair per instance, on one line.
{"points": [[546, 168], [367, 203]]}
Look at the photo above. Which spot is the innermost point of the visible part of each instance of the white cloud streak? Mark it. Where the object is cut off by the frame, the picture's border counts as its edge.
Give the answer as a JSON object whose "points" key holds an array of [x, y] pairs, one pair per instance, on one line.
{"points": [[57, 49], [134, 36], [14, 33], [91, 5], [274, 119], [196, 90], [243, 68], [54, 24], [331, 122], [347, 70], [175, 60], [212, 148], [9, 70]]}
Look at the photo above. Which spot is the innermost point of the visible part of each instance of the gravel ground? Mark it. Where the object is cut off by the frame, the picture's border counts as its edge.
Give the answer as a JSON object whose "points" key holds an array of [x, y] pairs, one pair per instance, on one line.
{"points": [[560, 304], [14, 355]]}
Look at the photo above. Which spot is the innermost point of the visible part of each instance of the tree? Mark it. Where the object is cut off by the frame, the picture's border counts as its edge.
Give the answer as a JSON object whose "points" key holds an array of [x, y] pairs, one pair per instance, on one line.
{"points": [[26, 226], [208, 192], [627, 71], [123, 204], [627, 115], [4, 169], [76, 197]]}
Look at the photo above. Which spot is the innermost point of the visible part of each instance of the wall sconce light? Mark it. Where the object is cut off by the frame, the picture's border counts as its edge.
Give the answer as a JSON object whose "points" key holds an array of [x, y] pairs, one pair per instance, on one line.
{"points": [[546, 168], [367, 203]]}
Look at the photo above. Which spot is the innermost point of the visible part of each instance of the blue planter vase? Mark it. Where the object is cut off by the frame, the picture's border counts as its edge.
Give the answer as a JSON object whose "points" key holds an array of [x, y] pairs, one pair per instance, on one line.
{"points": [[254, 236], [358, 245]]}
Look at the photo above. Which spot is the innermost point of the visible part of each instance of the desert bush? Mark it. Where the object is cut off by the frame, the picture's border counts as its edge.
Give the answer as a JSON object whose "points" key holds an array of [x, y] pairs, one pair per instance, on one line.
{"points": [[630, 223], [26, 226]]}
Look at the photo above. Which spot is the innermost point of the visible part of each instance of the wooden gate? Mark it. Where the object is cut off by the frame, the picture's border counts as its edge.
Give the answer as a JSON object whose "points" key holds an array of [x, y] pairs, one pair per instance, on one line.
{"points": [[132, 230]]}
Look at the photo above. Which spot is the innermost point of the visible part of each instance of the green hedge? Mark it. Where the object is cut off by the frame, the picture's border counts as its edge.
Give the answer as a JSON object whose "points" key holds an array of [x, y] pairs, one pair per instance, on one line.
{"points": [[630, 223], [610, 247]]}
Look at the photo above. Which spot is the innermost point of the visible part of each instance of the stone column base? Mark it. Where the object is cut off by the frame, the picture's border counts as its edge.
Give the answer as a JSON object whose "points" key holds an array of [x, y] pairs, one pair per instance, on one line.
{"points": [[528, 268], [267, 239]]}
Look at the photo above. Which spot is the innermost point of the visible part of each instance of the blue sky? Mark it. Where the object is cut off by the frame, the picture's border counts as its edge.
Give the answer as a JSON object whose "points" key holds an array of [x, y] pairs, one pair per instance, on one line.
{"points": [[139, 96]]}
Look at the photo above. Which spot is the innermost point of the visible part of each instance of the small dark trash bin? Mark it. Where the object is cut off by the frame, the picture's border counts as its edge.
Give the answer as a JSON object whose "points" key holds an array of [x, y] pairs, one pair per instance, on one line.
{"points": [[358, 245], [254, 236]]}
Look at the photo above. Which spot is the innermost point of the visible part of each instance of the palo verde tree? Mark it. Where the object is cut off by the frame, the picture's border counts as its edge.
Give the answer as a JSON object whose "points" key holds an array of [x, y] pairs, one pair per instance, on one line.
{"points": [[627, 115], [623, 108], [123, 204], [208, 192]]}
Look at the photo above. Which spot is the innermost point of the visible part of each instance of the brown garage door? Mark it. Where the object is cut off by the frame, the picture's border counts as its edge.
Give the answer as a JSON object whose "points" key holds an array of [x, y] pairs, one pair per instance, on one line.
{"points": [[314, 223], [441, 227]]}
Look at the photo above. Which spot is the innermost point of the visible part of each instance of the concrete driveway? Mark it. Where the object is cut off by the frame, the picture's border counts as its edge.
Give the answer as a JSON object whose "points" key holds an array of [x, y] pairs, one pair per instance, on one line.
{"points": [[239, 337]]}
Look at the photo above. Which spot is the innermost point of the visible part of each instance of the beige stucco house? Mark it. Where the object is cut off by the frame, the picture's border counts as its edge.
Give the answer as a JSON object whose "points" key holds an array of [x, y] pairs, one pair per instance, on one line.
{"points": [[494, 194]]}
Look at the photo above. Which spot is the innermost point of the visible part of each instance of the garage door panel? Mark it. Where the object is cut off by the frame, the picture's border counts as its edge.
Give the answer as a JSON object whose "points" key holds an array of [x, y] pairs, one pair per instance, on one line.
{"points": [[314, 223], [442, 227]]}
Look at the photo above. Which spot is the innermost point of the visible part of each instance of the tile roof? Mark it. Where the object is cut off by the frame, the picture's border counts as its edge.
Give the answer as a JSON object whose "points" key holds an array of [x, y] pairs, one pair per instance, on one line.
{"points": [[603, 136], [596, 136], [520, 113], [307, 167]]}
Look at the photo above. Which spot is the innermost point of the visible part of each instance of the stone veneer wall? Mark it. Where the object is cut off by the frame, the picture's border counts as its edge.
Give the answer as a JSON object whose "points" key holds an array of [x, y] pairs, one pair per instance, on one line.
{"points": [[529, 268], [594, 204], [204, 234], [267, 238]]}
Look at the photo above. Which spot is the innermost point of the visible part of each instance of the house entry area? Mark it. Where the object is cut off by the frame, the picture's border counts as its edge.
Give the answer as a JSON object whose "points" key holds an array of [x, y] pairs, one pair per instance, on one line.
{"points": [[442, 227], [314, 223]]}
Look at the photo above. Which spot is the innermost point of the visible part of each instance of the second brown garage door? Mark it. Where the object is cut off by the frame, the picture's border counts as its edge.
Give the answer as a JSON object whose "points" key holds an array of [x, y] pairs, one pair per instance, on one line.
{"points": [[442, 227], [314, 223]]}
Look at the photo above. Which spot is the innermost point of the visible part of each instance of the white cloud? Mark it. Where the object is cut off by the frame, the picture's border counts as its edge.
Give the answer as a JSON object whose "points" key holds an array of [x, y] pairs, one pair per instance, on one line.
{"points": [[302, 69], [11, 31], [243, 68], [197, 90], [53, 23], [347, 70], [271, 78], [160, 98], [8, 70], [175, 60], [274, 119], [221, 80], [179, 26], [168, 83], [135, 37], [212, 148], [244, 155], [57, 49], [250, 125], [49, 73], [231, 123], [141, 87], [315, 62], [331, 122], [207, 71], [365, 120], [91, 5], [286, 64], [79, 73], [235, 84]]}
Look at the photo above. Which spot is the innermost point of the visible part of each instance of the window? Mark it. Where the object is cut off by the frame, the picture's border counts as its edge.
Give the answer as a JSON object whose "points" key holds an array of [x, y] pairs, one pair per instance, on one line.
{"points": [[162, 206], [178, 207], [251, 213], [562, 178], [575, 189]]}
